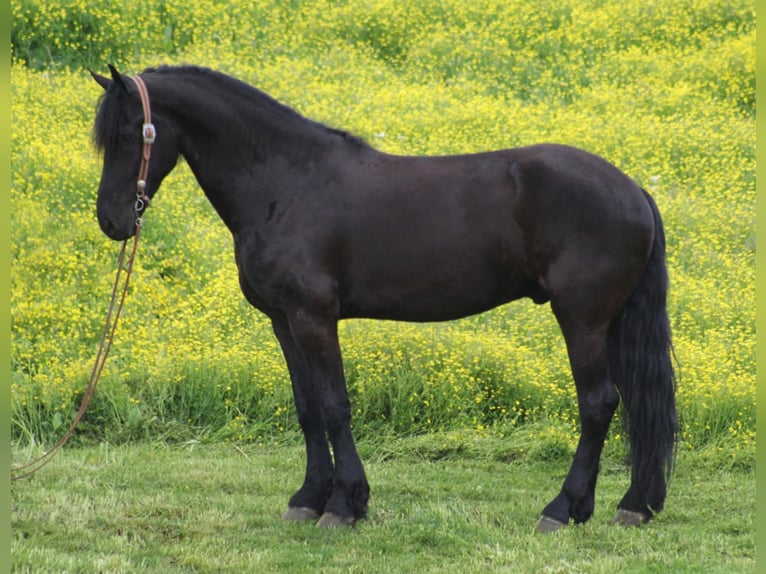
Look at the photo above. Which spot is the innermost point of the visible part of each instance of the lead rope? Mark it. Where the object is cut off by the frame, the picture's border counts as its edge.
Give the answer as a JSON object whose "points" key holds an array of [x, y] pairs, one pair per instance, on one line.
{"points": [[103, 350], [118, 295]]}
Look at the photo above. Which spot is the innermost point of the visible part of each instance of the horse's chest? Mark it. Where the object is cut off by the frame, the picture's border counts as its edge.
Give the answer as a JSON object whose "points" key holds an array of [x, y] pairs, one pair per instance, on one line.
{"points": [[277, 276], [254, 274]]}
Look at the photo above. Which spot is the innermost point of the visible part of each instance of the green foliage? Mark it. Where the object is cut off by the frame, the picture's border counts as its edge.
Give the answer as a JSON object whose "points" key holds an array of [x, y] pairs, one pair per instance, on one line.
{"points": [[666, 91]]}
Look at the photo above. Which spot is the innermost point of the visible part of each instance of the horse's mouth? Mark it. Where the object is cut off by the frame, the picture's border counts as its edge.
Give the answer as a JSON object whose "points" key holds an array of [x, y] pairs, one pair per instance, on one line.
{"points": [[115, 232]]}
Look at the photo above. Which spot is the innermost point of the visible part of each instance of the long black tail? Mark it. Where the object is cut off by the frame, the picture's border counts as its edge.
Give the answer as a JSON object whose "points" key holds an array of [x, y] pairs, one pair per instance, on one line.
{"points": [[641, 365]]}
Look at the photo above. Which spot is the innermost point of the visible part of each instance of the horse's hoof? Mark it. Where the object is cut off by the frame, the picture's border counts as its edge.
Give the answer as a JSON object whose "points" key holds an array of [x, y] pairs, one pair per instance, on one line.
{"points": [[547, 524], [628, 518], [330, 520], [300, 514]]}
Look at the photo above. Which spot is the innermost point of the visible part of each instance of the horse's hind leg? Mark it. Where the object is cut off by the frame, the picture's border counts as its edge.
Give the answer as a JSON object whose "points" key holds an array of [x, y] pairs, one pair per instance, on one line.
{"points": [[309, 502], [597, 400]]}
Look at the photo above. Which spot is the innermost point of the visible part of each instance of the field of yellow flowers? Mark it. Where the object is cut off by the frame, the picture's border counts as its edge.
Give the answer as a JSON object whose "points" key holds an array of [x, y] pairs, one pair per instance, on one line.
{"points": [[665, 90]]}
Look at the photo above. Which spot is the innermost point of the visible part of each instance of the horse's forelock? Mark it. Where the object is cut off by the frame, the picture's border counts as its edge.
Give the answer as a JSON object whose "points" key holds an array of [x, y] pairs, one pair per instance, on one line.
{"points": [[105, 132]]}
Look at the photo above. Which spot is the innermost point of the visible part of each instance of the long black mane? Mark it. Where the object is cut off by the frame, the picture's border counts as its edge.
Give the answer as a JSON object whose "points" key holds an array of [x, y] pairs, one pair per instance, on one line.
{"points": [[105, 130]]}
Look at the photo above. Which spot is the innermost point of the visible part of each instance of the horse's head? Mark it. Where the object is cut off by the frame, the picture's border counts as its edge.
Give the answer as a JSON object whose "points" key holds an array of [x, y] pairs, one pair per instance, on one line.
{"points": [[119, 133]]}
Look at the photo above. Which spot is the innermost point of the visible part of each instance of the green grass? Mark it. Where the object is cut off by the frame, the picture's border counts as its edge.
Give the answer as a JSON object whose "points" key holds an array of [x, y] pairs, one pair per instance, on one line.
{"points": [[216, 508]]}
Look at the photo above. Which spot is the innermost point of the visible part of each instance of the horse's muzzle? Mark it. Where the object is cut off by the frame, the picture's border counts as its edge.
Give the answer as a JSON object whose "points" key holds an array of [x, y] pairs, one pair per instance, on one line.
{"points": [[118, 232]]}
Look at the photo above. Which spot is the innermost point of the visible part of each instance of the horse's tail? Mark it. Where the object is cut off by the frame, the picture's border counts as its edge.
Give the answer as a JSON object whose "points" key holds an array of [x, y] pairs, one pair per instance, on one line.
{"points": [[641, 365]]}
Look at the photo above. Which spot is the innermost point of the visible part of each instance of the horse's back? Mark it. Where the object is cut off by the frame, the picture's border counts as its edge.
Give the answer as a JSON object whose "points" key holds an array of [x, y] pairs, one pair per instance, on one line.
{"points": [[435, 238]]}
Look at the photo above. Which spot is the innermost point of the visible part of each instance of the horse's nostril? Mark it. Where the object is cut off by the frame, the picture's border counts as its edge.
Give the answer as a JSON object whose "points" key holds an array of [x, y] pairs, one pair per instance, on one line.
{"points": [[111, 230], [106, 226]]}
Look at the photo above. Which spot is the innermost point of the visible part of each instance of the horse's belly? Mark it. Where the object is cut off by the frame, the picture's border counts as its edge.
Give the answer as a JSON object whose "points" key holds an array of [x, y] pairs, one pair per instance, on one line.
{"points": [[431, 292]]}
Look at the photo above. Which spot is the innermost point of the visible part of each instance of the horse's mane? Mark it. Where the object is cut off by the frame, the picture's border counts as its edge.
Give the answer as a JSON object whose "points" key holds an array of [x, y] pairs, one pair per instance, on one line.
{"points": [[105, 133]]}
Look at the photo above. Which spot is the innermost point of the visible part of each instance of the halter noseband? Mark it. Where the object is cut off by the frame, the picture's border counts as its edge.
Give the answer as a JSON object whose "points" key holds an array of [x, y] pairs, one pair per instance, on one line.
{"points": [[149, 134]]}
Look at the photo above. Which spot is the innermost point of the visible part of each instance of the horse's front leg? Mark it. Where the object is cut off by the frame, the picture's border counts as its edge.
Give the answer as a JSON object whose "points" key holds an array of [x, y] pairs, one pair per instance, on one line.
{"points": [[316, 338], [310, 500]]}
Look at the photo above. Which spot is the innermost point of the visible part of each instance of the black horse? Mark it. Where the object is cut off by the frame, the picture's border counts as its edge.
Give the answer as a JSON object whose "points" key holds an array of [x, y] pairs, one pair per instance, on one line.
{"points": [[325, 228]]}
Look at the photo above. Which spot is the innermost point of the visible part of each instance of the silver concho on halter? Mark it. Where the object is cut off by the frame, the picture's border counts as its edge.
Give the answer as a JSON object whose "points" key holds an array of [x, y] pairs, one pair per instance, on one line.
{"points": [[150, 134]]}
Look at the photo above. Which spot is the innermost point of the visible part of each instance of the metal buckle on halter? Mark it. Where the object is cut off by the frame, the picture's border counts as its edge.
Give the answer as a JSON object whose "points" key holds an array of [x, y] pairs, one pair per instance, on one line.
{"points": [[150, 133], [142, 200]]}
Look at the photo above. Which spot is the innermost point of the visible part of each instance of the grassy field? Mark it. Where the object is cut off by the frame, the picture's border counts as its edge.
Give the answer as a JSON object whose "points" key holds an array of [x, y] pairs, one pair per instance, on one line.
{"points": [[156, 508], [665, 90]]}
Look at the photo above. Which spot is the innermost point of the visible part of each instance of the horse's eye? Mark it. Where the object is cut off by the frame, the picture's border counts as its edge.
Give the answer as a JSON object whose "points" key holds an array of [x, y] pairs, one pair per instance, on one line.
{"points": [[126, 137]]}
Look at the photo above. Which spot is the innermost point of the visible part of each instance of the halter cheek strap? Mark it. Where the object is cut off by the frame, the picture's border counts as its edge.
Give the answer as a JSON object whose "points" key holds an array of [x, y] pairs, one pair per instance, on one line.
{"points": [[149, 134]]}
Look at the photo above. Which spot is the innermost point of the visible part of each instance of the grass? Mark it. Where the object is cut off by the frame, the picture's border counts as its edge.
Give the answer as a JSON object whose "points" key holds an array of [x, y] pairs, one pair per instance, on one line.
{"points": [[216, 508]]}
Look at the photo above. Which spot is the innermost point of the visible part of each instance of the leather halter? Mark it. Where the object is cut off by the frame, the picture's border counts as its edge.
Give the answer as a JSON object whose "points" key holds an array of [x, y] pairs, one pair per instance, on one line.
{"points": [[149, 133]]}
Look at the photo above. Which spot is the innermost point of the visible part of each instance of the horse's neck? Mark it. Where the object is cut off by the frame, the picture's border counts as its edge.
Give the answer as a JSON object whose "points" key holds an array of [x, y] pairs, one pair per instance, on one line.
{"points": [[235, 156]]}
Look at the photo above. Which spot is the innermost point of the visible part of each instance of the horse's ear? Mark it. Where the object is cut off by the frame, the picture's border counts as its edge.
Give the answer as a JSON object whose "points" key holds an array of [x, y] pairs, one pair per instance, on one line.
{"points": [[105, 82], [102, 81], [117, 77]]}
